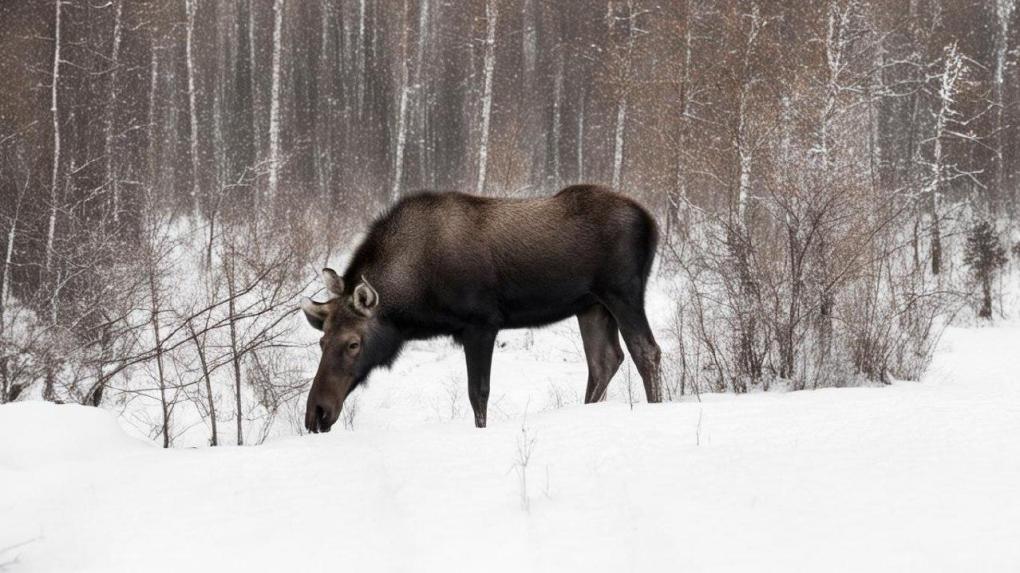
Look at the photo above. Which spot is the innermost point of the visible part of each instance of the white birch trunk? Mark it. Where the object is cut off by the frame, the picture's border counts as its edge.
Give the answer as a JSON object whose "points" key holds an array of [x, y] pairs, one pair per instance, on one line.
{"points": [[5, 286], [405, 87], [947, 94], [580, 140], [621, 104], [323, 110], [256, 132], [110, 105], [557, 105], [875, 132], [834, 46], [529, 45], [191, 8], [219, 146], [621, 123], [360, 57], [420, 93], [153, 86], [274, 103], [744, 191], [745, 145], [491, 15], [685, 105], [1004, 11], [54, 109]]}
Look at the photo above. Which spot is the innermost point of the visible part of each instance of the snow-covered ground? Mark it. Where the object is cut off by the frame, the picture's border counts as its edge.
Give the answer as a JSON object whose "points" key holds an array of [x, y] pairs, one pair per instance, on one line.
{"points": [[913, 477]]}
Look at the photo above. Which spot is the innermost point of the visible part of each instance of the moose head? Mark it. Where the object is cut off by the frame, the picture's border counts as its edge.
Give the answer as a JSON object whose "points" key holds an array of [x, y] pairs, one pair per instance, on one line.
{"points": [[349, 343]]}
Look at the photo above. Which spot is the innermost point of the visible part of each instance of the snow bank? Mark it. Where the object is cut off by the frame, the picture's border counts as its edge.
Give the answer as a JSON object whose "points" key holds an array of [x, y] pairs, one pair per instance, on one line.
{"points": [[40, 433], [916, 476]]}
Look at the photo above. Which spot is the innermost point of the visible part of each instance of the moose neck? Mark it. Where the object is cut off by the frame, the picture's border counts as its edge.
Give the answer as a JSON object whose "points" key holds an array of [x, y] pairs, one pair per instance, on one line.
{"points": [[382, 347]]}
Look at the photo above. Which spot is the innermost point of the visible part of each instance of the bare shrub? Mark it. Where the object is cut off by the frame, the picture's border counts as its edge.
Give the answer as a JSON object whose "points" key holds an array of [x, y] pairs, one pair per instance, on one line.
{"points": [[350, 412], [525, 447]]}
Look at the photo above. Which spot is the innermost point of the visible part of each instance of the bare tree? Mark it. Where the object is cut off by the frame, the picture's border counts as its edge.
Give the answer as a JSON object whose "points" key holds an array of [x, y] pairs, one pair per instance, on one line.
{"points": [[55, 111], [274, 101], [1004, 12], [491, 17], [405, 93], [191, 9], [111, 104]]}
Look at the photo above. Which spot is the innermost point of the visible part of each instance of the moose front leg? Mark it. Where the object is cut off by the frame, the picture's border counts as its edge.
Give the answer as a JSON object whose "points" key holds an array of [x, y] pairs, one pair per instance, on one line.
{"points": [[478, 350]]}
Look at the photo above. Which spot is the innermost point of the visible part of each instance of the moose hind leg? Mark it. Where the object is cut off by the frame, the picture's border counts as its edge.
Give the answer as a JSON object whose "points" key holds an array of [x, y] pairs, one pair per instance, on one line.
{"points": [[478, 351], [601, 350], [640, 343]]}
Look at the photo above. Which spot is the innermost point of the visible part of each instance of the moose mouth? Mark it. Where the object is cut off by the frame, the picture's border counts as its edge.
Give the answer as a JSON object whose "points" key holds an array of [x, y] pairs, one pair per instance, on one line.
{"points": [[319, 420]]}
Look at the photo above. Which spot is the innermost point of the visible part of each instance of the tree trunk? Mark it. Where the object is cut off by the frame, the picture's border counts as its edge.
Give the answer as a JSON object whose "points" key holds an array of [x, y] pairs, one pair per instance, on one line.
{"points": [[111, 103], [154, 321], [580, 139], [360, 59], [986, 298], [619, 131], [274, 102], [947, 93], [618, 141], [54, 110], [421, 94], [235, 357], [207, 378], [405, 88], [491, 15], [1004, 11], [556, 127], [5, 285], [191, 7], [253, 78]]}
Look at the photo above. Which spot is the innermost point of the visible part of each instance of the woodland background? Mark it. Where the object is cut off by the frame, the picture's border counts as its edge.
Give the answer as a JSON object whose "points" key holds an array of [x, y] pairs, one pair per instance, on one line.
{"points": [[173, 174]]}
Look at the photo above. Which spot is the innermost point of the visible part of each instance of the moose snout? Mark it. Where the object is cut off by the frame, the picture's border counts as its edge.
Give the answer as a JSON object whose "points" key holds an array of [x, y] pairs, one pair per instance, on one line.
{"points": [[319, 416]]}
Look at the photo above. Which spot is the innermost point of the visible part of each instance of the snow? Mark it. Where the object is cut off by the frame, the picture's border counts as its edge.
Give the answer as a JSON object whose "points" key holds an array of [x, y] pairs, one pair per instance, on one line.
{"points": [[914, 476]]}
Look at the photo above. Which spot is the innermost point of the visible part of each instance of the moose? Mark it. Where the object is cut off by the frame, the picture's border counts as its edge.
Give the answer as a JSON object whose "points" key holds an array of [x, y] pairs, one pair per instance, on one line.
{"points": [[453, 264]]}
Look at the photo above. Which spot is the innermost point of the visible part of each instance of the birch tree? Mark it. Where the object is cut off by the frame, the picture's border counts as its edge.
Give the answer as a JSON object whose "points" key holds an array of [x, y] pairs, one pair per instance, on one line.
{"points": [[230, 275], [405, 94], [947, 88], [421, 93], [491, 16], [274, 102], [10, 387], [746, 141], [55, 111], [111, 104], [557, 114], [155, 298], [191, 8], [626, 64], [1004, 13]]}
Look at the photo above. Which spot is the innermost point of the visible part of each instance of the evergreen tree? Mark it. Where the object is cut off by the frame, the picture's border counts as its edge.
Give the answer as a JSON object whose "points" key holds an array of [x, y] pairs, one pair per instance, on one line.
{"points": [[984, 255]]}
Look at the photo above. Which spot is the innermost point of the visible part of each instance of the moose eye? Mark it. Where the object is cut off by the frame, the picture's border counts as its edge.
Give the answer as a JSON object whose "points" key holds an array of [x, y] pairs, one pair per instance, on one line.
{"points": [[353, 345]]}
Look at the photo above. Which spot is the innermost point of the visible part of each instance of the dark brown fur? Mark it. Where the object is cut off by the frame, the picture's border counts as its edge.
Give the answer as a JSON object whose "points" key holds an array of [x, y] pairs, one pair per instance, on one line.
{"points": [[467, 266]]}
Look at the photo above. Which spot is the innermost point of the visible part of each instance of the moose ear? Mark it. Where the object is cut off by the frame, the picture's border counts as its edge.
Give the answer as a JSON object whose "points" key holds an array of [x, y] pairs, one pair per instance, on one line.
{"points": [[334, 283], [365, 298], [315, 312]]}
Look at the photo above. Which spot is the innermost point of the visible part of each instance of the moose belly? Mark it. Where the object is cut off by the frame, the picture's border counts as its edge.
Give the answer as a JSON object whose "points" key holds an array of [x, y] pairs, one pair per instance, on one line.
{"points": [[539, 309]]}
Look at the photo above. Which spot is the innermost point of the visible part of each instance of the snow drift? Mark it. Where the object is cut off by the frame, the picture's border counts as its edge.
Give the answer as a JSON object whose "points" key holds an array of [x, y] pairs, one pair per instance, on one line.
{"points": [[916, 476]]}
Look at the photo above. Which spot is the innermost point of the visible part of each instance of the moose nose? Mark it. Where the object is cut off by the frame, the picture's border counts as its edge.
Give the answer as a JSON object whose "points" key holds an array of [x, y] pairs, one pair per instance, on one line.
{"points": [[320, 418]]}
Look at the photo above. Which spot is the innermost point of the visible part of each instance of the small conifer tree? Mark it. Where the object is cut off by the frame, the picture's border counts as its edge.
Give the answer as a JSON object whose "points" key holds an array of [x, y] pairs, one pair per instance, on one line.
{"points": [[985, 255]]}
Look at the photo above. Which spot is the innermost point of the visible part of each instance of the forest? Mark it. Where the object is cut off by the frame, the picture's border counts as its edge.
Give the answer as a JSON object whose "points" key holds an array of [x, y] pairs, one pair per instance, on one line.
{"points": [[835, 181]]}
